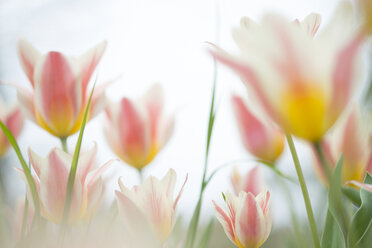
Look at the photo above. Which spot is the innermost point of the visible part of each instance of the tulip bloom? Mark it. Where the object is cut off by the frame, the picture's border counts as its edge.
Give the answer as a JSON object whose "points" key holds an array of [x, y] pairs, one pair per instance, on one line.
{"points": [[60, 91], [252, 182], [366, 11], [137, 130], [303, 82], [364, 186], [148, 210], [51, 182], [247, 223], [263, 140], [12, 118], [351, 137]]}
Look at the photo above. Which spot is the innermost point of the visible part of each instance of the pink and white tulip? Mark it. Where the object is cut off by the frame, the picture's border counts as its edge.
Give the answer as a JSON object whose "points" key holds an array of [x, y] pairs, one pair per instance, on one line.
{"points": [[252, 182], [351, 137], [13, 119], [303, 90], [60, 91], [247, 222], [262, 139], [51, 181], [137, 130], [364, 186], [148, 211]]}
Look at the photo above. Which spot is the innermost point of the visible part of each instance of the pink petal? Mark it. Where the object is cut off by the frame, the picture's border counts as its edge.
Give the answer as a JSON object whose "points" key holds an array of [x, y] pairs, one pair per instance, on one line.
{"points": [[86, 161], [180, 193], [253, 131], [132, 133], [225, 221], [369, 164], [154, 101], [58, 92], [343, 74], [37, 162], [89, 61], [250, 222], [15, 121], [247, 74], [253, 181], [28, 56], [94, 186], [168, 183]]}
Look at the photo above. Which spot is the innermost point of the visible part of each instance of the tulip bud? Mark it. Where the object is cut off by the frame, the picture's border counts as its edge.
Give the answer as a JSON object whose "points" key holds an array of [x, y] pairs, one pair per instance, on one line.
{"points": [[252, 182], [137, 130], [247, 223], [148, 210], [59, 92]]}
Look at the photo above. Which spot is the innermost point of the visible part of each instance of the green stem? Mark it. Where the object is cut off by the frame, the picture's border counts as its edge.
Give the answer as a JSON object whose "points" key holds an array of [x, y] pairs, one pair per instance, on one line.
{"points": [[64, 144], [305, 193], [140, 175], [323, 160]]}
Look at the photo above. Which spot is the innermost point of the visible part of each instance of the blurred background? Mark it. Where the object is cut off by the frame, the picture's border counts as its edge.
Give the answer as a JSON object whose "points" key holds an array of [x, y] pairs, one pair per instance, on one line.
{"points": [[157, 41]]}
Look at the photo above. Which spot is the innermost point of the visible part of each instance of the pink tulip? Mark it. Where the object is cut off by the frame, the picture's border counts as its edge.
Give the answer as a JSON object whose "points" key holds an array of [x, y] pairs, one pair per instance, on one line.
{"points": [[59, 88], [247, 223], [148, 210], [252, 182], [351, 137], [303, 82], [51, 181], [137, 130], [261, 139], [12, 118]]}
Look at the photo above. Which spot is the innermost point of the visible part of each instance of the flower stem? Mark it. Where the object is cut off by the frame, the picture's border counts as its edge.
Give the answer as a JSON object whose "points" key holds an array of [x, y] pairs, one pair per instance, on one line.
{"points": [[323, 160], [140, 175], [305, 193], [64, 144]]}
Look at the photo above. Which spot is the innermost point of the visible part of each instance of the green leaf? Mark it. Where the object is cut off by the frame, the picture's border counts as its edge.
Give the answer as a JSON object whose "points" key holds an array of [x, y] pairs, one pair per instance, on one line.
{"points": [[74, 165], [332, 234], [26, 169], [352, 194], [204, 240], [361, 223], [335, 204]]}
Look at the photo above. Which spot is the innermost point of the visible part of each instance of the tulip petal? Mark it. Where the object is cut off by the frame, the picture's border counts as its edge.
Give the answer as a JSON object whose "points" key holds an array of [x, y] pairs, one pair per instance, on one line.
{"points": [[311, 23], [343, 73], [254, 181], [58, 92], [165, 131], [37, 162], [26, 103], [133, 134], [225, 221], [14, 122], [86, 160], [179, 193], [94, 186], [250, 222], [89, 61], [134, 220], [29, 57]]}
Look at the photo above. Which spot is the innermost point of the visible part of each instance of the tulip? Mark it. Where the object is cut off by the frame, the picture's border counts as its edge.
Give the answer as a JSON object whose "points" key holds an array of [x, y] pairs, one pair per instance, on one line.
{"points": [[137, 130], [262, 139], [303, 82], [51, 178], [247, 223], [148, 210], [60, 91], [252, 182], [12, 118], [351, 137]]}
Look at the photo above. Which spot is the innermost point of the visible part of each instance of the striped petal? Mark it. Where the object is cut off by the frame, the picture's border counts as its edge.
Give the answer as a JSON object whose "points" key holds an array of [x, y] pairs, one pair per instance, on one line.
{"points": [[28, 56], [58, 93]]}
